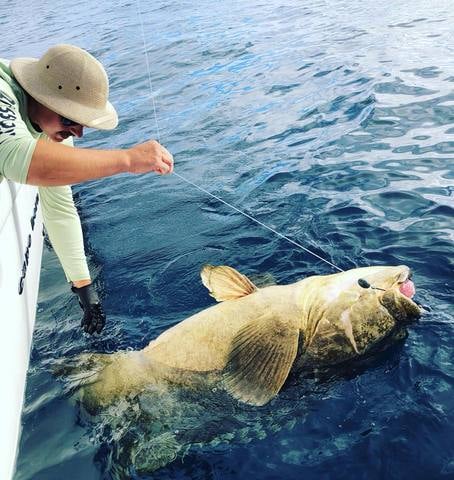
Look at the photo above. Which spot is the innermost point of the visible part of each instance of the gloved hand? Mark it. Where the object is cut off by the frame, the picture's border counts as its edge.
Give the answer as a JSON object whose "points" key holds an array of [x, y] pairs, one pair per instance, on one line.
{"points": [[94, 317]]}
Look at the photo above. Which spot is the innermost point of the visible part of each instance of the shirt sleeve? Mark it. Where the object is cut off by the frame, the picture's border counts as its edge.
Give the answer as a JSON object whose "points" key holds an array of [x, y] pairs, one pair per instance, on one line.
{"points": [[64, 229], [16, 142]]}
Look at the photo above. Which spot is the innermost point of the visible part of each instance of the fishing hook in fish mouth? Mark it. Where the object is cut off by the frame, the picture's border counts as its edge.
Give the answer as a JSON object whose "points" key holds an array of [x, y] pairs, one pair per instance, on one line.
{"points": [[365, 284]]}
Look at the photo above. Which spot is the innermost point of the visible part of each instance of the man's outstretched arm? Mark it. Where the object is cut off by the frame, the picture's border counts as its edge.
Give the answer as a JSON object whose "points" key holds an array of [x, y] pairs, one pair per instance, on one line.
{"points": [[54, 164]]}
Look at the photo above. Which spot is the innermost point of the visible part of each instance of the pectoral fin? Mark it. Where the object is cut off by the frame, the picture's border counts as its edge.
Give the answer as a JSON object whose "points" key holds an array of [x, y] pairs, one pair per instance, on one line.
{"points": [[225, 283], [260, 360]]}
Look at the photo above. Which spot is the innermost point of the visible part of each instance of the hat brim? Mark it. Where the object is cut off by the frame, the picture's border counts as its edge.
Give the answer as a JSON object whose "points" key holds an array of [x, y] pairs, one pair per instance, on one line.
{"points": [[25, 72]]}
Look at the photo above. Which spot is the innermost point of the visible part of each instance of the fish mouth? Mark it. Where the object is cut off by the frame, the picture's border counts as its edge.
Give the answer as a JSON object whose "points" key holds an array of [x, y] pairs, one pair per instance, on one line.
{"points": [[405, 284], [406, 288]]}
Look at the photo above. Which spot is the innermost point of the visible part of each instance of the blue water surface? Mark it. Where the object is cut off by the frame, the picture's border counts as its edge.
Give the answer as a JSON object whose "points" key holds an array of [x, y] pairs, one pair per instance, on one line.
{"points": [[330, 121]]}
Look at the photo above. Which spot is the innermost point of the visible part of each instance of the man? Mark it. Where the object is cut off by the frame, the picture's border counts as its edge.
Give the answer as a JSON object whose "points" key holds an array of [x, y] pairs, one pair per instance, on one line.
{"points": [[43, 104]]}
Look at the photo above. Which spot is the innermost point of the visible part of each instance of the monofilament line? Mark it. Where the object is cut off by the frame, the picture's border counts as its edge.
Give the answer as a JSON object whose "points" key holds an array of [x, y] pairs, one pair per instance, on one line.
{"points": [[202, 189], [139, 13], [259, 222]]}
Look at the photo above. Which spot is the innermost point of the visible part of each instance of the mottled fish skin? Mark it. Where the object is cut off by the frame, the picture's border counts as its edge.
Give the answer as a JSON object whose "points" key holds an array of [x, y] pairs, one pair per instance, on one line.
{"points": [[347, 323], [181, 392], [249, 343]]}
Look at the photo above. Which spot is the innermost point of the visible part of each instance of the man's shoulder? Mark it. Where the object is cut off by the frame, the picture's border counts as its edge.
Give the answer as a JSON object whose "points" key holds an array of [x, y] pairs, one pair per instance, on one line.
{"points": [[6, 75], [9, 109], [7, 95], [4, 66], [10, 91]]}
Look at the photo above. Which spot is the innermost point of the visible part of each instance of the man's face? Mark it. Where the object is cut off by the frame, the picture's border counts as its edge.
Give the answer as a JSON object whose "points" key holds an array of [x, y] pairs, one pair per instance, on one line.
{"points": [[52, 125]]}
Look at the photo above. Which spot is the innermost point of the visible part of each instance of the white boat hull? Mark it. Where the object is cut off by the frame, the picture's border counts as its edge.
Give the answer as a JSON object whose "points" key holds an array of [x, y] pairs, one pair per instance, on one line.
{"points": [[21, 241]]}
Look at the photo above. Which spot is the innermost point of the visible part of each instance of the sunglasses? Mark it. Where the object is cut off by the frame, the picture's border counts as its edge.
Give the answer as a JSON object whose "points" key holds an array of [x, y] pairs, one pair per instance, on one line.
{"points": [[66, 122]]}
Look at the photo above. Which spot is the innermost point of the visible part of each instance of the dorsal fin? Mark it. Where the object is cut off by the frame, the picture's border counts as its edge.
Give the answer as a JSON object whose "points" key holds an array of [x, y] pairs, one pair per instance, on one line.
{"points": [[226, 283]]}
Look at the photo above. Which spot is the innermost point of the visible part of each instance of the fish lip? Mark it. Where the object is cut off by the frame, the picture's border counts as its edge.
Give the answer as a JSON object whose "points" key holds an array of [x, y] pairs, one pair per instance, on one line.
{"points": [[416, 310], [407, 274], [422, 308], [403, 277], [418, 306]]}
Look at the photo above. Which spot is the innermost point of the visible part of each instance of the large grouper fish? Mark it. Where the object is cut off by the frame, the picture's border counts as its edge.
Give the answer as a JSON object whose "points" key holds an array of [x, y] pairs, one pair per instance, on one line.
{"points": [[201, 382], [248, 343]]}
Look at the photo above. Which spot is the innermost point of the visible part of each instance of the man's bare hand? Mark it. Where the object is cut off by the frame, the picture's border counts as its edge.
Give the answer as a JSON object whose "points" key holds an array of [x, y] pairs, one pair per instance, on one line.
{"points": [[150, 156], [54, 164]]}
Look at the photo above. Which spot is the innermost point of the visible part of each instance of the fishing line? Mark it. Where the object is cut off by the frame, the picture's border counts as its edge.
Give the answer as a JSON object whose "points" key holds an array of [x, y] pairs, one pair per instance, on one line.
{"points": [[199, 187], [139, 14], [361, 282], [258, 221]]}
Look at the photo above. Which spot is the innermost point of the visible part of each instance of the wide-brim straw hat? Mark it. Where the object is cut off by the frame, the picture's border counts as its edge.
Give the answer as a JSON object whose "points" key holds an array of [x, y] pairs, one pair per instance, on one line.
{"points": [[70, 82]]}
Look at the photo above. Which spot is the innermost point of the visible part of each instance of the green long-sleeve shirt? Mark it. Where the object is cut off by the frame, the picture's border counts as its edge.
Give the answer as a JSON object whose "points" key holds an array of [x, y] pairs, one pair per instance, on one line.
{"points": [[17, 143]]}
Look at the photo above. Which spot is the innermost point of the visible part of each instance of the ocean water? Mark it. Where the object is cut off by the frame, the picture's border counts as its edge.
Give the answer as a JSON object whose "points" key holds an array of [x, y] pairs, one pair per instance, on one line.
{"points": [[333, 123]]}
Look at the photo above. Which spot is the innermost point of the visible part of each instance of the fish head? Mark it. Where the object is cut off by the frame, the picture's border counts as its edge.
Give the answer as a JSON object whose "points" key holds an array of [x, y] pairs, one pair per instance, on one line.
{"points": [[394, 288], [352, 311]]}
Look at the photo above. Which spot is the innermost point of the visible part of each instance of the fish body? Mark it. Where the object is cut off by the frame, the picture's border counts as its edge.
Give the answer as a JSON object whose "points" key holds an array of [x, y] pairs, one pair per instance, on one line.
{"points": [[250, 341]]}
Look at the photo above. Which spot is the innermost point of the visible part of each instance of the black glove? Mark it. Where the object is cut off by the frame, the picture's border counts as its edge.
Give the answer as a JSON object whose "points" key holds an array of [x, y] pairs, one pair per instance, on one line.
{"points": [[94, 317]]}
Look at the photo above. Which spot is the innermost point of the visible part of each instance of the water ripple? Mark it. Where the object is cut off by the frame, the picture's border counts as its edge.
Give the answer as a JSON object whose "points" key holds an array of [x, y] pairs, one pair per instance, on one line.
{"points": [[332, 122]]}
